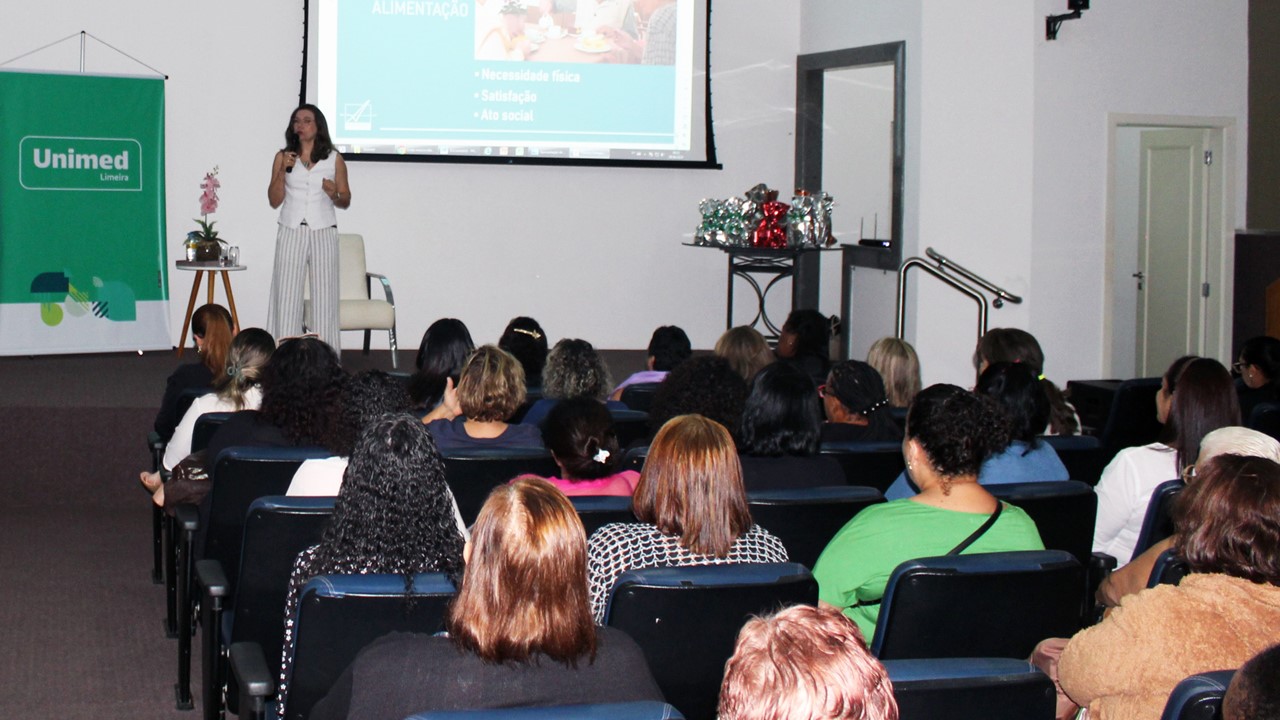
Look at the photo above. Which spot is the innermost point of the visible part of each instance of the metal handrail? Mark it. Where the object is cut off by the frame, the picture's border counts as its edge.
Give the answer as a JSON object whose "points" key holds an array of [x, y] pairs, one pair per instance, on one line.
{"points": [[942, 271]]}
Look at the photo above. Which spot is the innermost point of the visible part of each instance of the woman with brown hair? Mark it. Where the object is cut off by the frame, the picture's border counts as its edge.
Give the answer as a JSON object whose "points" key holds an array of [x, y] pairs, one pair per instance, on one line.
{"points": [[1223, 613], [519, 632], [211, 332], [491, 388], [692, 511]]}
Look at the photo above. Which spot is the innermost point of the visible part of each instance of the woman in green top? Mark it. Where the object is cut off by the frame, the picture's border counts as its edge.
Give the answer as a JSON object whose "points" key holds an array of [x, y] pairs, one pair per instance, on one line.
{"points": [[949, 433]]}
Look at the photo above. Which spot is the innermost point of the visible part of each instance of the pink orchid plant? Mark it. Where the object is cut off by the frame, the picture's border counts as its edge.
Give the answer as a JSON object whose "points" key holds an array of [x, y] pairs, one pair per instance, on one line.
{"points": [[208, 204]]}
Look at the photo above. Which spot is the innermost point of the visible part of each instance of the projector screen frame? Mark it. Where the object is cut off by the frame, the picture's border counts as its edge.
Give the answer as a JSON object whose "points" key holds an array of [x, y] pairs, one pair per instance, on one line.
{"points": [[710, 163]]}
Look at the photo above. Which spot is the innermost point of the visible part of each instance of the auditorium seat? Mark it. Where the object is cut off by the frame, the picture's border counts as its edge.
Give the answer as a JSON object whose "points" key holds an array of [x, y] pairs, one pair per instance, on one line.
{"points": [[639, 710], [337, 616], [971, 689], [631, 426], [805, 519], [639, 396], [1083, 455], [1169, 569], [206, 425], [596, 511], [1131, 420], [474, 472], [251, 609], [1158, 523], [1265, 418], [686, 620], [1198, 697], [156, 445], [634, 458], [873, 464], [980, 605]]}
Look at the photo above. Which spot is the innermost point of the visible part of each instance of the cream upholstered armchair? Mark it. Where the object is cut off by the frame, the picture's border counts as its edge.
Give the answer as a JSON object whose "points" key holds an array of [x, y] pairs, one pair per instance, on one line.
{"points": [[356, 309]]}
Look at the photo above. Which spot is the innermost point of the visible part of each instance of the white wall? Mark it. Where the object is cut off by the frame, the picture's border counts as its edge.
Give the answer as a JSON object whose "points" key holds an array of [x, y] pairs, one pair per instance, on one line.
{"points": [[590, 252], [1007, 147]]}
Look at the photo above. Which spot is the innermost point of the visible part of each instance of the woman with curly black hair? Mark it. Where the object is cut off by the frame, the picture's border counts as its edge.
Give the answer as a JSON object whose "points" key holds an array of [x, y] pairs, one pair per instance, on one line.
{"points": [[445, 346], [778, 437], [706, 386], [574, 369], [950, 432], [394, 514]]}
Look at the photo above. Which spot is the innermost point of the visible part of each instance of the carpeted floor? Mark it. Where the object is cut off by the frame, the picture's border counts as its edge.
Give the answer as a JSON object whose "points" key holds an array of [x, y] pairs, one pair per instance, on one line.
{"points": [[81, 619]]}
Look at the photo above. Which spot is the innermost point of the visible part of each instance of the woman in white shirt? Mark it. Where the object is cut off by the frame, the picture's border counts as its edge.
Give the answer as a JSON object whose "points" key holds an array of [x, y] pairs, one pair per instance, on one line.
{"points": [[1196, 397]]}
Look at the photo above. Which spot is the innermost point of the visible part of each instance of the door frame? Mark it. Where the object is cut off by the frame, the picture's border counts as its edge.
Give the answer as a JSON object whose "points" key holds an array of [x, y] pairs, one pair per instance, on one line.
{"points": [[1220, 235]]}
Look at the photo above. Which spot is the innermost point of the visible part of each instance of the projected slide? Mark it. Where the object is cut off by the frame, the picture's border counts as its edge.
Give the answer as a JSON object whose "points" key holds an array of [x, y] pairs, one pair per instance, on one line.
{"points": [[609, 79]]}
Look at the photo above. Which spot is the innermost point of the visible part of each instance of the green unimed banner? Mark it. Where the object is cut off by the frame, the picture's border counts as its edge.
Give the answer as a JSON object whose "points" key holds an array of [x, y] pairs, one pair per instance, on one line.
{"points": [[82, 256]]}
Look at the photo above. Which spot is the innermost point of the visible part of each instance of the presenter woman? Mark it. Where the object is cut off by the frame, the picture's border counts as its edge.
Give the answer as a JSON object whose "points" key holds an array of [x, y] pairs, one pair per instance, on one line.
{"points": [[308, 180]]}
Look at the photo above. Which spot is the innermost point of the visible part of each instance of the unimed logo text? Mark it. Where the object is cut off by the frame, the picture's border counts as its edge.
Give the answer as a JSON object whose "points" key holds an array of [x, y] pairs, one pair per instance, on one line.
{"points": [[80, 163]]}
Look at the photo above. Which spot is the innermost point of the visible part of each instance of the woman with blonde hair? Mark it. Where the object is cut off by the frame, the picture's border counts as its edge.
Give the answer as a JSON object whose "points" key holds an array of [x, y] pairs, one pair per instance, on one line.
{"points": [[692, 510], [490, 390], [899, 367], [519, 632], [745, 349]]}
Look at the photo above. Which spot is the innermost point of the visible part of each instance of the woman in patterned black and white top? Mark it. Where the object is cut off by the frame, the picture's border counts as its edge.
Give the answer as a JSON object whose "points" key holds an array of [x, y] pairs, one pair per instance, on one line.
{"points": [[692, 511]]}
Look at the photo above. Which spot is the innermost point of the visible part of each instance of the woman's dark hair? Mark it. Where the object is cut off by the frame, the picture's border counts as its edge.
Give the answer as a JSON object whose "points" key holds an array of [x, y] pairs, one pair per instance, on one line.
{"points": [[394, 513], [445, 346], [1263, 352], [956, 429], [1202, 399], [365, 397], [1019, 346], [813, 333], [669, 347], [706, 386], [300, 388], [1228, 520], [579, 432], [782, 415], [323, 144], [575, 369], [525, 339], [860, 389], [212, 323], [1020, 396]]}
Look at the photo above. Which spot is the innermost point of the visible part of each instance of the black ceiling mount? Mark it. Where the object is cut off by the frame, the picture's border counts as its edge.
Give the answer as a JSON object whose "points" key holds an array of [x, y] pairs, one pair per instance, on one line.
{"points": [[1053, 22]]}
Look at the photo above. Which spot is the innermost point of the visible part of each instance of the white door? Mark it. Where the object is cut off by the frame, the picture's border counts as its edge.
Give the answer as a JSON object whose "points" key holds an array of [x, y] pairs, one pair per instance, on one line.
{"points": [[1173, 197]]}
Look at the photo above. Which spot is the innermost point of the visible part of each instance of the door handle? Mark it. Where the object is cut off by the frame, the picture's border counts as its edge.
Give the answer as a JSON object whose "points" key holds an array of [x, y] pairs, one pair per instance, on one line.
{"points": [[1141, 277]]}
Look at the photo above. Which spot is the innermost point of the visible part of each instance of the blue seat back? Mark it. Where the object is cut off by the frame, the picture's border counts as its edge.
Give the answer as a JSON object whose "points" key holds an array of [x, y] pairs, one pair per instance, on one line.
{"points": [[970, 689], [340, 614], [206, 425], [1083, 455], [805, 519], [1132, 418], [1169, 569], [1064, 512], [239, 476], [686, 620], [472, 474], [639, 710], [635, 457], [1198, 697], [1158, 523], [639, 396], [872, 464], [631, 426], [979, 605], [596, 511], [1265, 418]]}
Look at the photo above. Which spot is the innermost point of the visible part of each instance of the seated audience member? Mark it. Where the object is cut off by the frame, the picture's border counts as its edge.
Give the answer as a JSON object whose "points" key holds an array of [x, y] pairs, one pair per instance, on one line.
{"points": [[525, 339], [1196, 397], [519, 632], [692, 511], [1259, 368], [394, 514], [235, 389], [805, 341], [490, 391], [445, 346], [1133, 577], [1017, 394], [580, 435], [574, 369], [1254, 693], [745, 349], [705, 386], [950, 432], [211, 333], [856, 405], [1019, 346], [802, 663], [365, 397], [778, 437], [668, 347], [1223, 613], [899, 367]]}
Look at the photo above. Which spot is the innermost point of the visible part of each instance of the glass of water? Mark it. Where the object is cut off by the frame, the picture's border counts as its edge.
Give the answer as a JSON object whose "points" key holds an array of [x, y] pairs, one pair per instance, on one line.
{"points": [[233, 255]]}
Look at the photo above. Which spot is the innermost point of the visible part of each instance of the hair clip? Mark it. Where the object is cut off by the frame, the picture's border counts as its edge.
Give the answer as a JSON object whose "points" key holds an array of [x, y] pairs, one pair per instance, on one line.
{"points": [[601, 456], [531, 333], [1040, 376]]}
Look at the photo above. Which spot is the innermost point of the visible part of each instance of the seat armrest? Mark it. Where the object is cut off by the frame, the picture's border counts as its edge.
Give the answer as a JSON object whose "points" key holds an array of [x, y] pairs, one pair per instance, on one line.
{"points": [[386, 285], [1102, 563], [154, 442], [187, 517], [212, 577], [251, 670]]}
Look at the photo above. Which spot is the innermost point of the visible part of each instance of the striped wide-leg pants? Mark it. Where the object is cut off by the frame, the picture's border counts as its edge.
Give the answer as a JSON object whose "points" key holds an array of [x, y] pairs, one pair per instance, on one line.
{"points": [[305, 254]]}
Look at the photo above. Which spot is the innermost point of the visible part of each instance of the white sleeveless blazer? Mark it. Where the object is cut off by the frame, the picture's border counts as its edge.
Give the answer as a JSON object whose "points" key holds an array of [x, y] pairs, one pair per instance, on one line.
{"points": [[304, 197]]}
